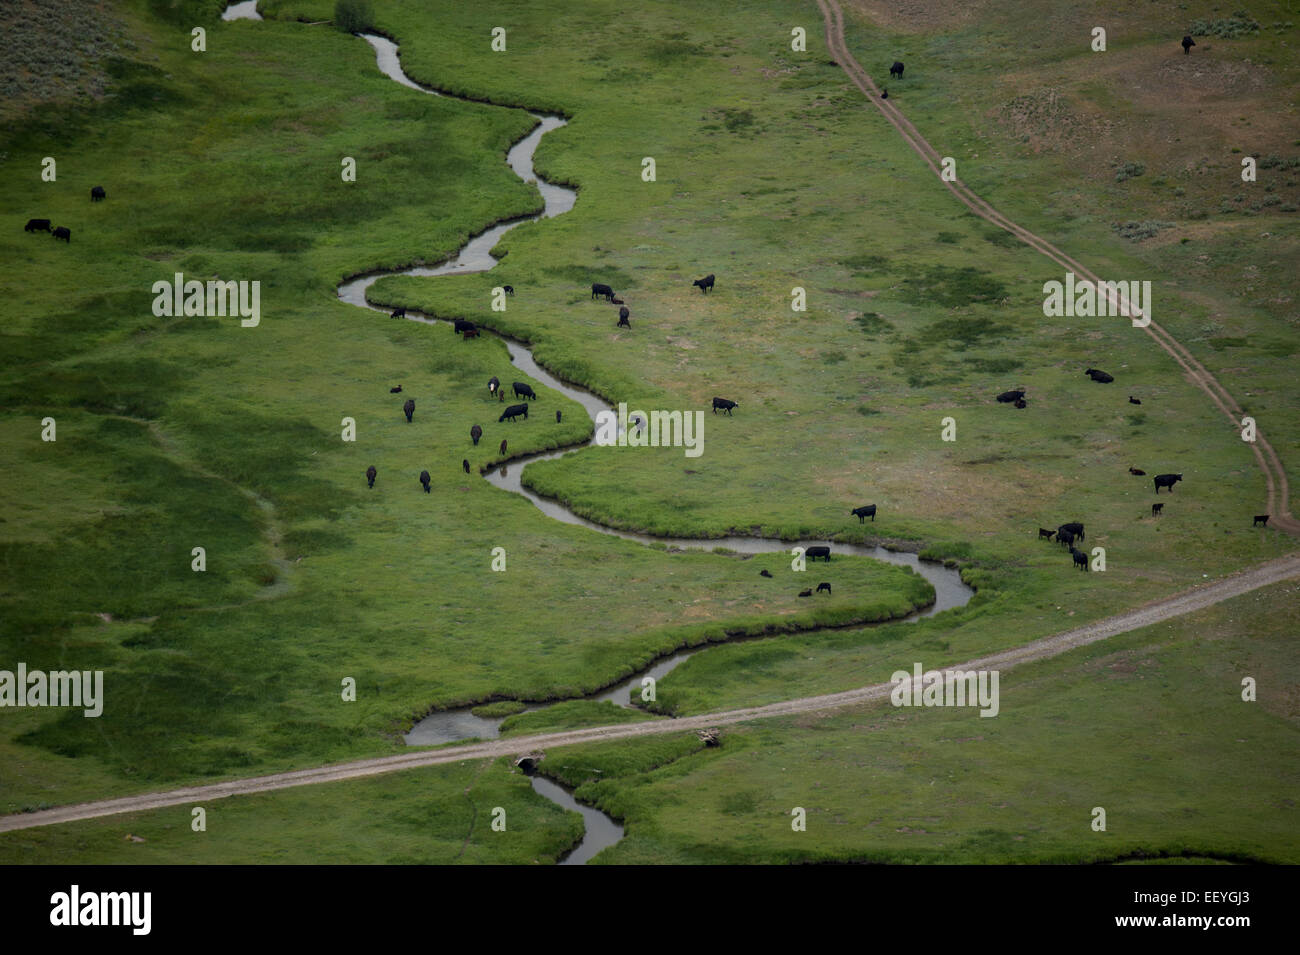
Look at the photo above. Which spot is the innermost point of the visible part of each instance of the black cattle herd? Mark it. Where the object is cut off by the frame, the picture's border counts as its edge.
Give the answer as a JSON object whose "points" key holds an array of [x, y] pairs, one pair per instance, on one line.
{"points": [[522, 389], [1066, 534], [61, 232]]}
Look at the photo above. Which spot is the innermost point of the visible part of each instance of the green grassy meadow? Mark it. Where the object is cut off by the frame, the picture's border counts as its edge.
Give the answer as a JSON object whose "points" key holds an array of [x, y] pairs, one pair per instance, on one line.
{"points": [[771, 172]]}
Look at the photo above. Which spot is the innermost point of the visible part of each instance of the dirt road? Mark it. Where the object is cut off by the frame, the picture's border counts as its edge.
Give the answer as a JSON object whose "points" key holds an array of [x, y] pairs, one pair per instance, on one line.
{"points": [[1285, 568], [1278, 504]]}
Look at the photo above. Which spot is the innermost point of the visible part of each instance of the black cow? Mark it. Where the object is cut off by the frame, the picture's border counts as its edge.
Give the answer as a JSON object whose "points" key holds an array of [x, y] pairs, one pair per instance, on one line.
{"points": [[623, 315], [557, 417], [476, 432], [1260, 519], [503, 447], [508, 289], [818, 550], [1045, 534], [371, 474], [409, 408], [1138, 471], [465, 465], [524, 391], [1074, 527], [1167, 480], [806, 593], [884, 94], [513, 411], [37, 225], [398, 313], [1021, 403], [1133, 401], [1156, 509], [424, 479], [395, 391], [1188, 43], [765, 573], [493, 384], [598, 289], [724, 404], [823, 586], [1099, 376], [98, 193], [862, 513], [704, 284], [1080, 558], [896, 70], [1065, 537], [63, 233], [461, 325], [1010, 397]]}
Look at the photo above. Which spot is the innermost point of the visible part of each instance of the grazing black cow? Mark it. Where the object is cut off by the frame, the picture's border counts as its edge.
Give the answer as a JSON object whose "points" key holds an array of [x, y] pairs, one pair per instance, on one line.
{"points": [[1138, 471], [1010, 397], [1188, 43], [508, 289], [493, 384], [98, 193], [765, 573], [823, 586], [465, 464], [424, 479], [1133, 401], [513, 412], [503, 447], [896, 70], [398, 313], [1260, 519], [1045, 534], [471, 333], [884, 93], [818, 550], [598, 289], [476, 432], [409, 408], [724, 404], [1074, 527], [1021, 403], [557, 417], [64, 233], [371, 474], [806, 593], [395, 391], [1167, 480], [1099, 376], [37, 225], [1156, 509], [704, 284], [862, 513], [1080, 558], [461, 325], [616, 301], [523, 390], [623, 315], [1065, 537]]}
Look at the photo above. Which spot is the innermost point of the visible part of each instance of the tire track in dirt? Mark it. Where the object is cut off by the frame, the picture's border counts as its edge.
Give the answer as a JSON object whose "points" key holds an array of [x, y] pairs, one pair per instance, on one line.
{"points": [[1270, 464], [1188, 601]]}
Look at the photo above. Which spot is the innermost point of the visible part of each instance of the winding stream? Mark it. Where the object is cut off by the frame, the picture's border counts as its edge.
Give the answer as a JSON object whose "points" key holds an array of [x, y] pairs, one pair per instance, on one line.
{"points": [[476, 256]]}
